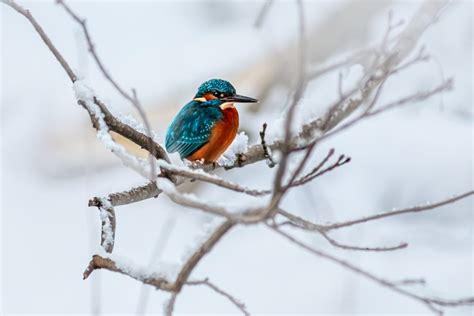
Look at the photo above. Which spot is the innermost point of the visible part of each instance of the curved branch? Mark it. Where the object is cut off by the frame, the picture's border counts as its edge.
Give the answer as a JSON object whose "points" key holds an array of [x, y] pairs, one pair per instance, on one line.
{"points": [[212, 286], [431, 303], [132, 98], [100, 262], [414, 209], [113, 123]]}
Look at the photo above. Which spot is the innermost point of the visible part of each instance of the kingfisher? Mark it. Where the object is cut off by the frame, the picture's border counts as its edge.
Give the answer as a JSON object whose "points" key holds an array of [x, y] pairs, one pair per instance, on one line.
{"points": [[206, 126]]}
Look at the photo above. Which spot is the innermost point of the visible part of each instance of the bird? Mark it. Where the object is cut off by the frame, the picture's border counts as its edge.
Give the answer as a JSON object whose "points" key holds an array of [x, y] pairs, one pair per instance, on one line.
{"points": [[206, 126]]}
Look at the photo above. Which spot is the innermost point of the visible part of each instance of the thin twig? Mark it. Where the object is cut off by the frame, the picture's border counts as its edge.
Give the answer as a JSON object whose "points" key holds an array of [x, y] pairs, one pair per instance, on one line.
{"points": [[302, 164], [297, 221], [416, 97], [262, 14], [420, 281], [430, 303], [99, 262], [342, 160], [132, 98], [160, 244], [298, 94], [213, 179], [113, 123], [233, 300], [307, 225], [271, 163], [169, 308], [26, 13], [415, 209], [337, 244]]}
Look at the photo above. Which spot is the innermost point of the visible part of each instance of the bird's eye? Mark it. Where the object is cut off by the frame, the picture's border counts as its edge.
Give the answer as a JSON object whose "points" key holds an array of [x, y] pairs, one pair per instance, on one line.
{"points": [[215, 93]]}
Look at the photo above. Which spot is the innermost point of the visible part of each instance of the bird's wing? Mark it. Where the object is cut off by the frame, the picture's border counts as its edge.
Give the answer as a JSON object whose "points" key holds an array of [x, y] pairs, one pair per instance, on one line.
{"points": [[191, 128]]}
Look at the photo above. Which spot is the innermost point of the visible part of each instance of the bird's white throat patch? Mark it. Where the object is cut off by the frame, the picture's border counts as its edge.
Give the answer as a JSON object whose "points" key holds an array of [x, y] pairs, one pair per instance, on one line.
{"points": [[227, 105]]}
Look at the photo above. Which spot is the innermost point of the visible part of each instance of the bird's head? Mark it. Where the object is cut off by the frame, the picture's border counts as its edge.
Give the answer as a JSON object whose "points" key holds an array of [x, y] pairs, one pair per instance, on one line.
{"points": [[221, 90]]}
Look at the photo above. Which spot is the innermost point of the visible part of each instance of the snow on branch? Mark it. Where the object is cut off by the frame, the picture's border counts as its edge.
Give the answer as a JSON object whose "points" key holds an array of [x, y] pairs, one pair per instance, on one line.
{"points": [[86, 96], [167, 282], [380, 62], [130, 97]]}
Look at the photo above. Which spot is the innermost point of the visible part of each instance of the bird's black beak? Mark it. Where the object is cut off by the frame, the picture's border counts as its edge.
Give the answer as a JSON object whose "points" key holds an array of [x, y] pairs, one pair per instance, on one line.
{"points": [[239, 99]]}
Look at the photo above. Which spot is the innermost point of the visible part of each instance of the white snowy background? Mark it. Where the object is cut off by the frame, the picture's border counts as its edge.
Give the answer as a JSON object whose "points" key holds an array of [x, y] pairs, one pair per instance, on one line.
{"points": [[51, 164]]}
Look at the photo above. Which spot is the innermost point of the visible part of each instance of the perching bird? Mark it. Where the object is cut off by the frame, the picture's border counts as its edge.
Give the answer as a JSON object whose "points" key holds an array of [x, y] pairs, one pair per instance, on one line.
{"points": [[205, 127]]}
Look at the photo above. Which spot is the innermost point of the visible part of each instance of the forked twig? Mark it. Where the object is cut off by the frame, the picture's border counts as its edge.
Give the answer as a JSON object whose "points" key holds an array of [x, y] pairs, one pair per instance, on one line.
{"points": [[132, 98], [431, 303], [385, 64], [212, 286]]}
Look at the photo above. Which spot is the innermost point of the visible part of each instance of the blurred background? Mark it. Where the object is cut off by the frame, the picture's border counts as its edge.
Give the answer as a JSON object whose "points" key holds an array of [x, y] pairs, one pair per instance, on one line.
{"points": [[51, 162]]}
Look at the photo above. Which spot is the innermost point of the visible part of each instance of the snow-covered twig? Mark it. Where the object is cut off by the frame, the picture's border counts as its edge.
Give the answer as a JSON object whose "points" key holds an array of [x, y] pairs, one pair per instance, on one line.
{"points": [[238, 214], [385, 64], [86, 96], [107, 216], [133, 195], [112, 123], [199, 174], [160, 281], [130, 97], [270, 162]]}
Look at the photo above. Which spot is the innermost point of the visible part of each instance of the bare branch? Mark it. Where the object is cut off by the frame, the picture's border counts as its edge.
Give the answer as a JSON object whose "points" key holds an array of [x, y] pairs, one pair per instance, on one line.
{"points": [[385, 62], [169, 308], [278, 189], [233, 300], [113, 123], [431, 303], [263, 12], [302, 164], [132, 98], [298, 222], [248, 215], [44, 37], [415, 209], [99, 262], [416, 97], [337, 244], [307, 225], [420, 281], [353, 58], [313, 174]]}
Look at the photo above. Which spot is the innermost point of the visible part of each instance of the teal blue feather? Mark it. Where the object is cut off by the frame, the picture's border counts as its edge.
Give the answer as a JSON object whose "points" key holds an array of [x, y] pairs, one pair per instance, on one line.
{"points": [[215, 85], [192, 127]]}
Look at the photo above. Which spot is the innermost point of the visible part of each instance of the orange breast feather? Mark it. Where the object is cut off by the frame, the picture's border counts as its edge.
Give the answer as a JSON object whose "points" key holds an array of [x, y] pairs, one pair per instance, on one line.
{"points": [[222, 136]]}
